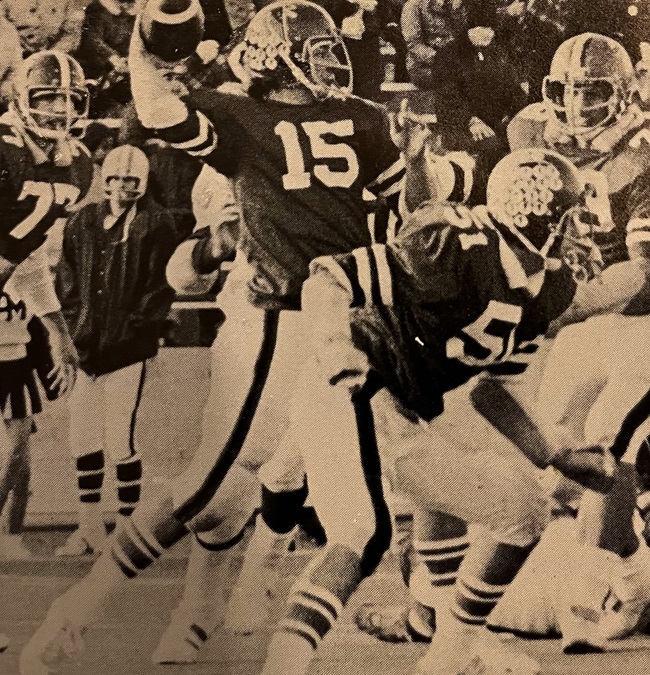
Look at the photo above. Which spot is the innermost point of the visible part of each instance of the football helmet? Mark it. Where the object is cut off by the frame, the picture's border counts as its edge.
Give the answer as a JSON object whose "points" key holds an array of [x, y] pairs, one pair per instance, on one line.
{"points": [[125, 173], [54, 77], [591, 82], [536, 193], [297, 42]]}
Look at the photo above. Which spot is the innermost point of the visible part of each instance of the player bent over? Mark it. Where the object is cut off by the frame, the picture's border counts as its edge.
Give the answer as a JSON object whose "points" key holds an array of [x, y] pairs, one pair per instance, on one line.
{"points": [[591, 393], [457, 293]]}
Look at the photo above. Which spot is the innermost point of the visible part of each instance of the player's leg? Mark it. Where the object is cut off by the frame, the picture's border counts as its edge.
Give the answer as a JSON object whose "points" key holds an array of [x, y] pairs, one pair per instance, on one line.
{"points": [[502, 494], [18, 474], [123, 390], [244, 349], [86, 405], [220, 524], [284, 492], [217, 532], [344, 476], [429, 565], [618, 419]]}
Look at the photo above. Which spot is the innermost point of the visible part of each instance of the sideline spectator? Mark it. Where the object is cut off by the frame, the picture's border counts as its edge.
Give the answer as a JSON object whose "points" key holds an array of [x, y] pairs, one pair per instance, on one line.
{"points": [[104, 50], [45, 24], [429, 25], [531, 34], [478, 82], [10, 57], [115, 299], [626, 21]]}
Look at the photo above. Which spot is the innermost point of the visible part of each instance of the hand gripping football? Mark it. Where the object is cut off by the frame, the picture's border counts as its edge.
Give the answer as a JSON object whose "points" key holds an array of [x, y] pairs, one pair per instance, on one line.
{"points": [[172, 29]]}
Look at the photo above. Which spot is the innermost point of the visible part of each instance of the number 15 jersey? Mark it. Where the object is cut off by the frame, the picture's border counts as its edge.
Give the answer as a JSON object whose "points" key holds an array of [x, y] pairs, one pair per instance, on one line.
{"points": [[34, 191], [301, 171]]}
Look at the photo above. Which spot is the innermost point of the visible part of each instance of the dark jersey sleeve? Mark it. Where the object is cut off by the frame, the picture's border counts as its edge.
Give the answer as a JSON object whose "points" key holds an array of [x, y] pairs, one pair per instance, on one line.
{"points": [[425, 265], [209, 132]]}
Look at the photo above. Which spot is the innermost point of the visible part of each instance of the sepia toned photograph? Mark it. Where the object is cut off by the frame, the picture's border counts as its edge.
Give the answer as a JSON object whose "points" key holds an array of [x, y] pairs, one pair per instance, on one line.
{"points": [[325, 337]]}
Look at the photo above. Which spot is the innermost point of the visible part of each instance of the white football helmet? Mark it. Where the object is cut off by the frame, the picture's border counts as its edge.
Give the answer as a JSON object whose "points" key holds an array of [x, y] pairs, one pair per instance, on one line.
{"points": [[125, 173], [590, 83], [534, 191], [56, 77], [289, 42]]}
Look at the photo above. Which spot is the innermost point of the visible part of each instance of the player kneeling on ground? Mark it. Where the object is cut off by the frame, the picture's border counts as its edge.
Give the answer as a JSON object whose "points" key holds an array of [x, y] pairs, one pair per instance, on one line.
{"points": [[459, 292]]}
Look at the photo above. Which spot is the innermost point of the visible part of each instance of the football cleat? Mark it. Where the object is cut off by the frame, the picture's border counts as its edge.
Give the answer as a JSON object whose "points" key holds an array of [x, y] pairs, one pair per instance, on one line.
{"points": [[388, 623], [181, 642], [80, 543], [58, 638]]}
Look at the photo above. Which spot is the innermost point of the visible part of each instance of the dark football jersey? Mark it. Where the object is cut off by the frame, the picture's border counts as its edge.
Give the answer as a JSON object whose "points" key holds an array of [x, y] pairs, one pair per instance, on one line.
{"points": [[445, 302], [301, 171], [35, 194], [619, 180]]}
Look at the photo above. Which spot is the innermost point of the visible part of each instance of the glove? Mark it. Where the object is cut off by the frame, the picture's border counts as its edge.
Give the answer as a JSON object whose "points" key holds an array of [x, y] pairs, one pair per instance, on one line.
{"points": [[592, 467]]}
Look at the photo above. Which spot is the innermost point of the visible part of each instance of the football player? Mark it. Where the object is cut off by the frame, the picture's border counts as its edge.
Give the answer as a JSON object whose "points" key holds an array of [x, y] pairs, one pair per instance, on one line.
{"points": [[591, 391], [43, 171], [459, 292], [302, 152]]}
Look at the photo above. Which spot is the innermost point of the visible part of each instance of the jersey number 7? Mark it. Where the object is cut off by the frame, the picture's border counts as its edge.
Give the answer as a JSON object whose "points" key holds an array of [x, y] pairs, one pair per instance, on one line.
{"points": [[47, 195], [297, 176]]}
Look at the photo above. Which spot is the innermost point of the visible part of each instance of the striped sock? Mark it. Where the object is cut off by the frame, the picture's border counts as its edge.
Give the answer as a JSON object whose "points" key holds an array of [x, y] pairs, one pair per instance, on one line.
{"points": [[436, 570], [139, 540], [484, 577], [129, 483], [90, 477], [314, 605]]}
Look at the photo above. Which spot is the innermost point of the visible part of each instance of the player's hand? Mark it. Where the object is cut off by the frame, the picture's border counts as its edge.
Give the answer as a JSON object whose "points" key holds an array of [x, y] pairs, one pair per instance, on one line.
{"points": [[479, 130], [593, 467], [65, 360], [224, 233], [410, 132], [342, 363], [120, 64]]}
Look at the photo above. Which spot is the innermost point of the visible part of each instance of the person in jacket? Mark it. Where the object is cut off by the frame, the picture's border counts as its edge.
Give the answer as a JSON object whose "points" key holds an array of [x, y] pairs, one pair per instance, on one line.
{"points": [[115, 298]]}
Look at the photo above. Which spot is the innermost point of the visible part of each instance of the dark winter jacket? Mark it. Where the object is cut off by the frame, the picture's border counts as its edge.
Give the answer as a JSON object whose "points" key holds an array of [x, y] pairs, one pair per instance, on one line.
{"points": [[112, 285]]}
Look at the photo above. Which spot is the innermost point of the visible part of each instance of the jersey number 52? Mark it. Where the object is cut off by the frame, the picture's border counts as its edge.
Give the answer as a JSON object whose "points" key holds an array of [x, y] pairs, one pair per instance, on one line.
{"points": [[489, 339], [297, 176]]}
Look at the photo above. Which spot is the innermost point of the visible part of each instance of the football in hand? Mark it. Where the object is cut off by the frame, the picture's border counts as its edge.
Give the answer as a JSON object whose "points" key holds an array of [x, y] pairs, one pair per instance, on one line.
{"points": [[172, 29]]}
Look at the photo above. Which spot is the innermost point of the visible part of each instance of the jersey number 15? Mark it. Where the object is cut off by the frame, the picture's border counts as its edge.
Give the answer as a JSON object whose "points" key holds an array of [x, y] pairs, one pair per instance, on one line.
{"points": [[297, 176]]}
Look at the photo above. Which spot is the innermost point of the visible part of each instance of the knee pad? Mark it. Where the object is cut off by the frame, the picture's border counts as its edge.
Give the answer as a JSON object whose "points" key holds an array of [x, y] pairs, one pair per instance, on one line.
{"points": [[230, 509], [523, 523], [281, 510]]}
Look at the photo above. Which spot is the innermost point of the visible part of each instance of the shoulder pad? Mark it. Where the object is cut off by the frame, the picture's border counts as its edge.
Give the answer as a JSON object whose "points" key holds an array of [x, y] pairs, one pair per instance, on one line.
{"points": [[10, 135], [535, 111], [78, 148]]}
